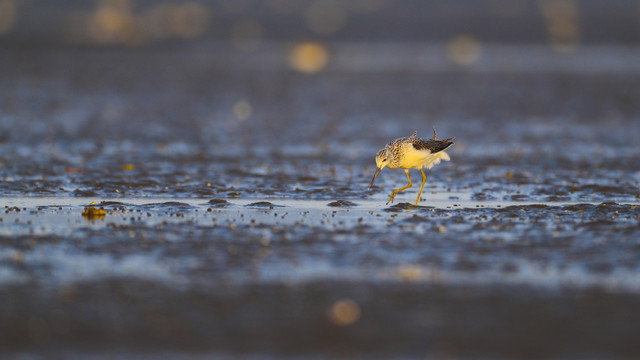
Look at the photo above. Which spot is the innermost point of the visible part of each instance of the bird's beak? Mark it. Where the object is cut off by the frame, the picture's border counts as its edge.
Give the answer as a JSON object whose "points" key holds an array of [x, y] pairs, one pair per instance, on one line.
{"points": [[374, 177]]}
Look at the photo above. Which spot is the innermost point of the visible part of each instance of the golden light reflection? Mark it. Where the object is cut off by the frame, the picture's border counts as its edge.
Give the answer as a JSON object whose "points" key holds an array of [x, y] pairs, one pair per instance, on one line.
{"points": [[309, 57], [186, 20], [246, 34], [8, 13], [344, 312], [561, 18], [242, 110], [325, 16], [464, 50], [113, 15], [115, 22]]}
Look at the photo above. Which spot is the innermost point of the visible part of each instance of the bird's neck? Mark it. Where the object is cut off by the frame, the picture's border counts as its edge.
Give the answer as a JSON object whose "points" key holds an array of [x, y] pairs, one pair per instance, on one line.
{"points": [[394, 161]]}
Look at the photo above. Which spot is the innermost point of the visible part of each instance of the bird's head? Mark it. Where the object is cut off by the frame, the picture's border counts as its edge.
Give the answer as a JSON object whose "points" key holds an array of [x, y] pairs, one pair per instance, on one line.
{"points": [[382, 159]]}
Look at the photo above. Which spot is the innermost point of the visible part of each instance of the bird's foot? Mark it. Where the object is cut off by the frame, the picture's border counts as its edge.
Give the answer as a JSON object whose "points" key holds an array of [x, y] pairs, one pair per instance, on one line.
{"points": [[391, 197]]}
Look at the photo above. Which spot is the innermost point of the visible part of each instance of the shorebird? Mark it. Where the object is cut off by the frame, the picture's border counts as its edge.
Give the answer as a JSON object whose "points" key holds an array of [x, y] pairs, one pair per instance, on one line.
{"points": [[411, 153]]}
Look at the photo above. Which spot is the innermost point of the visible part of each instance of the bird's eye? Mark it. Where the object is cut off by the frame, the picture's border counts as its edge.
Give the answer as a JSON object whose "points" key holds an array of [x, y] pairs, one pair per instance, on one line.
{"points": [[385, 159]]}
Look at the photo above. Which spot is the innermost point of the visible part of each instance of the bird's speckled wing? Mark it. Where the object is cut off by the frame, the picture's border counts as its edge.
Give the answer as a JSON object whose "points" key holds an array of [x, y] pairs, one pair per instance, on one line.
{"points": [[433, 146]]}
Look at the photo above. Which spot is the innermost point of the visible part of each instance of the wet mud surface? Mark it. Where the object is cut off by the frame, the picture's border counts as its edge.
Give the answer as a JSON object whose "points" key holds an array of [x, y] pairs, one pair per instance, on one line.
{"points": [[426, 279], [140, 216]]}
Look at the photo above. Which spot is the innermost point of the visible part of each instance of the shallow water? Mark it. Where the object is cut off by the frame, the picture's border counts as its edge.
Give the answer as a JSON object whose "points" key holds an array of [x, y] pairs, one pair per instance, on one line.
{"points": [[461, 242], [225, 236]]}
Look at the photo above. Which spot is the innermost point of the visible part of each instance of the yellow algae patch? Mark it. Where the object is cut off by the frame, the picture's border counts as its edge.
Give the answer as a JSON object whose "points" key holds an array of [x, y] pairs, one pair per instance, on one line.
{"points": [[92, 212]]}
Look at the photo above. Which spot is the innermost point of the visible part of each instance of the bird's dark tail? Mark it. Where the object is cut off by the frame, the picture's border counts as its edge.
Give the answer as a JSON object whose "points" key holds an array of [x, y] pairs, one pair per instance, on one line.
{"points": [[440, 145]]}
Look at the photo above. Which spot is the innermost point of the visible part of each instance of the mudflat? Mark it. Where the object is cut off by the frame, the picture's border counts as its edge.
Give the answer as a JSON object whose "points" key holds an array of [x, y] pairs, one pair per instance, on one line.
{"points": [[170, 204]]}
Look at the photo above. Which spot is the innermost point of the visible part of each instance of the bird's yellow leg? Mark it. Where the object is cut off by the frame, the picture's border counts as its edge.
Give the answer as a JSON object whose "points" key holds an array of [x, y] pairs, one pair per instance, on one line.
{"points": [[394, 192], [424, 179]]}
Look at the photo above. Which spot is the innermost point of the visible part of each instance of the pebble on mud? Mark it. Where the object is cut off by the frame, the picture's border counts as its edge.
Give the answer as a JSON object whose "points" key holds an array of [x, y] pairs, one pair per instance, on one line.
{"points": [[342, 203]]}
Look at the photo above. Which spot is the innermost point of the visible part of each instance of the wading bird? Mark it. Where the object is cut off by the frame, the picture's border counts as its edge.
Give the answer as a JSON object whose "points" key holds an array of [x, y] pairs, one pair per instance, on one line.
{"points": [[409, 153]]}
